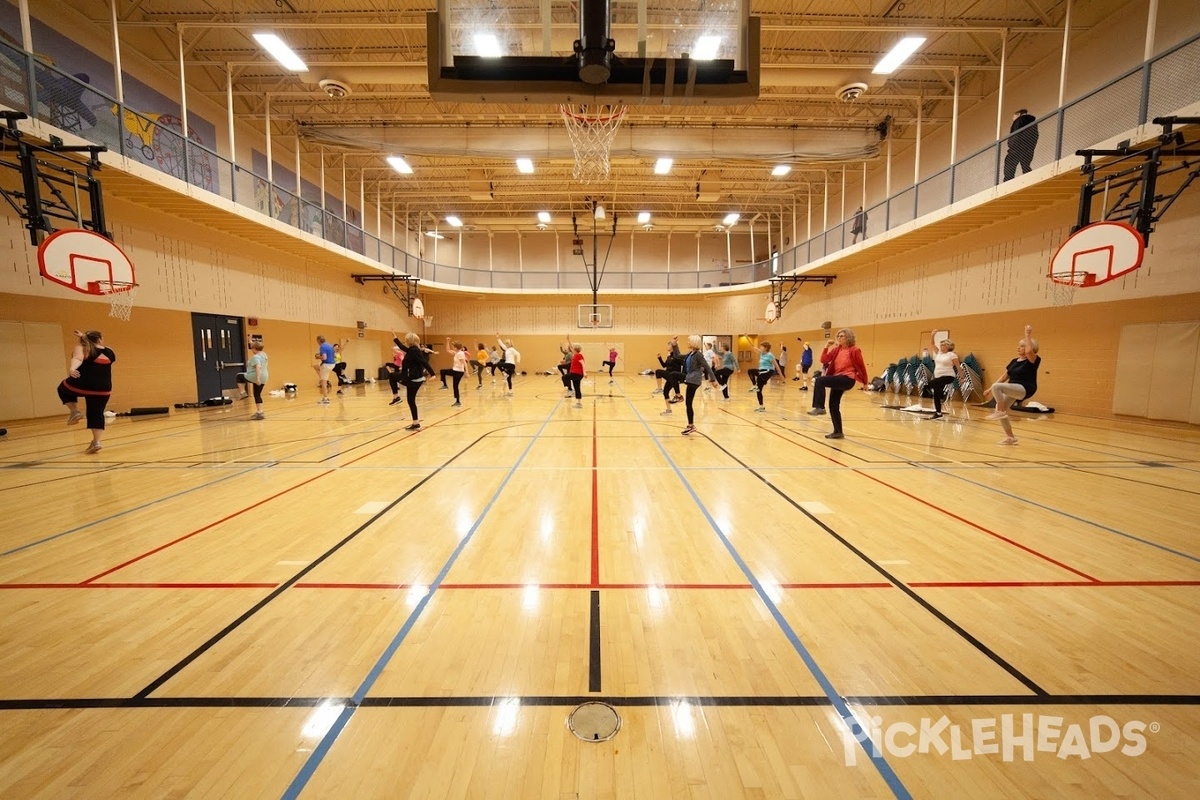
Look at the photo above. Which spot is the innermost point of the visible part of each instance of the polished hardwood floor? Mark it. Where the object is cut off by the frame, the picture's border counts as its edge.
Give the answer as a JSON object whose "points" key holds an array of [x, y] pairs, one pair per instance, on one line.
{"points": [[322, 604]]}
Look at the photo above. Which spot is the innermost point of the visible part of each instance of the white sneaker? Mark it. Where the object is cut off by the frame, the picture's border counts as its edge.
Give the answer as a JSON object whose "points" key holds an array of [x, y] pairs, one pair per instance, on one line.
{"points": [[665, 413], [760, 410], [578, 404]]}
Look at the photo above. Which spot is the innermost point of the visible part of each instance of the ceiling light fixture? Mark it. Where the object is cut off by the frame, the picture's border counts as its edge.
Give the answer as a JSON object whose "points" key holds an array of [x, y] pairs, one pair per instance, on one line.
{"points": [[544, 217], [898, 55], [780, 170], [663, 166], [643, 217], [598, 211], [453, 221], [400, 165], [525, 166], [281, 52], [434, 235], [731, 219], [706, 48], [487, 45]]}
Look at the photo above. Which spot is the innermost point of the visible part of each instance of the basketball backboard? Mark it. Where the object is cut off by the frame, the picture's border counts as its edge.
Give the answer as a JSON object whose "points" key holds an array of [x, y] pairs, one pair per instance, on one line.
{"points": [[1097, 254], [84, 261], [663, 52]]}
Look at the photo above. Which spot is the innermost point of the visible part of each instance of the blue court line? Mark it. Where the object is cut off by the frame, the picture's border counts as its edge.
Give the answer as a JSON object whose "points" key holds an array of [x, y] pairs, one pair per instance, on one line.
{"points": [[150, 503], [873, 751], [327, 741], [1027, 501]]}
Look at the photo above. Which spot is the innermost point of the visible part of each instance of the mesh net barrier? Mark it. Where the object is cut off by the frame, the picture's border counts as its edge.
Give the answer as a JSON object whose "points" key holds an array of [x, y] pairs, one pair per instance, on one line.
{"points": [[592, 130]]}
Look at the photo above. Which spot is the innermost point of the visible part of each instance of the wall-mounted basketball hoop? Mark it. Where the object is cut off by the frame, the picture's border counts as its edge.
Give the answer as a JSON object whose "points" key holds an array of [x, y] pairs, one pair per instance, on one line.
{"points": [[1096, 254], [592, 130], [88, 263]]}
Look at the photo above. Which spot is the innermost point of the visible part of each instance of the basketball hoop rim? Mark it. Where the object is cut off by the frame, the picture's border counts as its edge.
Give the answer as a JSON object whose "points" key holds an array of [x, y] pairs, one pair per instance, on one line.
{"points": [[95, 287], [1089, 279], [588, 120]]}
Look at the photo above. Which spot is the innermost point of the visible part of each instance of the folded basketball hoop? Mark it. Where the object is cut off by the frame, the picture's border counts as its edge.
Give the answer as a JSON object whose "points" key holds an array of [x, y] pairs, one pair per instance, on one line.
{"points": [[591, 135], [120, 294]]}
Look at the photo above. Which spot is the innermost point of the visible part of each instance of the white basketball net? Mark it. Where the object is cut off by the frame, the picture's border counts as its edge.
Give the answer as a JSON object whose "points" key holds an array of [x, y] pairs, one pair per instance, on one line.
{"points": [[592, 133], [120, 298], [1063, 286]]}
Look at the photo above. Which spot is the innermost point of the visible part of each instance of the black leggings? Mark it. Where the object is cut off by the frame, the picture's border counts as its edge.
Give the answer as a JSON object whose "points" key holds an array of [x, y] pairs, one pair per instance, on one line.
{"points": [[688, 398], [565, 369], [761, 379], [576, 381], [671, 381], [258, 387], [457, 376], [938, 387], [394, 381], [478, 367], [723, 375], [837, 385], [412, 389], [509, 370], [610, 365], [94, 407]]}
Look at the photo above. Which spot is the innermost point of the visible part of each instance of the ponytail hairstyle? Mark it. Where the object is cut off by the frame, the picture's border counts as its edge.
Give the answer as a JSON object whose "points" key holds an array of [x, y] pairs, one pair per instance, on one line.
{"points": [[89, 341]]}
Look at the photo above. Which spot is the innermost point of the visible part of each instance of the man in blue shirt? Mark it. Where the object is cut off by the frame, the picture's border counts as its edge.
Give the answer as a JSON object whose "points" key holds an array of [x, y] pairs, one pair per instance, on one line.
{"points": [[326, 360]]}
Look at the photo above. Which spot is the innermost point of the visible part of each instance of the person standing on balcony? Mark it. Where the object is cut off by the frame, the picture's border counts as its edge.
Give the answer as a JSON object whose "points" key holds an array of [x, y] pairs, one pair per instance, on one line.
{"points": [[1022, 139], [859, 228]]}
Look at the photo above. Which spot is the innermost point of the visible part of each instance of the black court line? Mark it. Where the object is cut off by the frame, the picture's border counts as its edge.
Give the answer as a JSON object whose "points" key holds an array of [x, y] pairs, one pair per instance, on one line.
{"points": [[594, 651], [1125, 479], [221, 634], [633, 701], [921, 601]]}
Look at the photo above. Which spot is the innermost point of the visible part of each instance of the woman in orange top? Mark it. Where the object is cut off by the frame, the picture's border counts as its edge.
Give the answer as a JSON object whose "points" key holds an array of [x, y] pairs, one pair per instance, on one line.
{"points": [[841, 367]]}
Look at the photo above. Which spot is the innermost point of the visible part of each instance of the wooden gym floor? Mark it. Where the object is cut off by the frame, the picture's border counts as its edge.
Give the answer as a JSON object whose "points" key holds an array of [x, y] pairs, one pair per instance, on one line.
{"points": [[324, 605]]}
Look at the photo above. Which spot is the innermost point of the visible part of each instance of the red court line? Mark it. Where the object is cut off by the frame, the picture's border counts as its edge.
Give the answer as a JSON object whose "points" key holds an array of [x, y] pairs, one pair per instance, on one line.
{"points": [[198, 531], [719, 586], [978, 527], [595, 507], [160, 548]]}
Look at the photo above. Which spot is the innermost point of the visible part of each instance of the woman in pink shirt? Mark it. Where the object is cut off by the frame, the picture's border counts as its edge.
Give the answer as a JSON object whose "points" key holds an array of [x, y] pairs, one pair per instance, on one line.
{"points": [[841, 367]]}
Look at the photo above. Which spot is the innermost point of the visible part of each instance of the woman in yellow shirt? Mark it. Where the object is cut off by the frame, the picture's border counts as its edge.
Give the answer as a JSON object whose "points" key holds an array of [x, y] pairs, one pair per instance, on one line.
{"points": [[481, 360]]}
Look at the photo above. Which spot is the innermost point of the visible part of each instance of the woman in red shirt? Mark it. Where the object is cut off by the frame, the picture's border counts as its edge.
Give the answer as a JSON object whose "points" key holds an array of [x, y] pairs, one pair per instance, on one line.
{"points": [[841, 367], [576, 373]]}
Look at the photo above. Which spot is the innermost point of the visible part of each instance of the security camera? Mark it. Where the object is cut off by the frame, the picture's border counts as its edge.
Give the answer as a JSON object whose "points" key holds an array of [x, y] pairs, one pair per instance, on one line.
{"points": [[851, 92], [334, 88]]}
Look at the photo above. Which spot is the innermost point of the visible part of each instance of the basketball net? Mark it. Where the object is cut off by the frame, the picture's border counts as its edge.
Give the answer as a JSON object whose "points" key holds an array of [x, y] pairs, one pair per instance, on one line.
{"points": [[1063, 286], [121, 295], [592, 135]]}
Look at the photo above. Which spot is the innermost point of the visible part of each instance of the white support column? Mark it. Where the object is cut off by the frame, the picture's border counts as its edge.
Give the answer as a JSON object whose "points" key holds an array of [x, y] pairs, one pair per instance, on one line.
{"points": [[379, 211], [954, 120], [1151, 24], [298, 185], [344, 218], [118, 78], [917, 151], [393, 221], [887, 176], [362, 201], [1000, 90], [669, 233], [864, 186], [728, 253], [697, 251], [26, 30], [825, 205], [267, 128], [460, 249], [491, 262], [641, 28], [795, 239], [229, 111], [322, 184], [547, 33], [808, 214], [843, 197], [183, 85], [1066, 48]]}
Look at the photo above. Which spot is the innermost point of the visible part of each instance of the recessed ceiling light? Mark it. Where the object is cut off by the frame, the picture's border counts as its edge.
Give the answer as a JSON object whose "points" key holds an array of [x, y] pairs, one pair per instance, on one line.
{"points": [[643, 217], [281, 52], [731, 218], [453, 221], [781, 169], [487, 45], [898, 55], [544, 216], [525, 165], [663, 166], [434, 235], [400, 165]]}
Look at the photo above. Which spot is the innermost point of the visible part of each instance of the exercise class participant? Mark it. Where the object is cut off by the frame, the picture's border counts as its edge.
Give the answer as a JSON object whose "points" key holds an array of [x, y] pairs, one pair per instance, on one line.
{"points": [[841, 367], [413, 373], [1018, 382], [90, 377]]}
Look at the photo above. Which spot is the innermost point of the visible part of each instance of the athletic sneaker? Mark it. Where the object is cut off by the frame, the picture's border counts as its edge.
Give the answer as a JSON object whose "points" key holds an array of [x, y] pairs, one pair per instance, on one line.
{"points": [[816, 412], [688, 429], [936, 415], [997, 415], [480, 386], [324, 401], [395, 400], [94, 447], [834, 435], [578, 404], [258, 415], [665, 413], [760, 410], [75, 417], [456, 403], [1008, 440], [416, 426], [657, 391], [510, 394], [611, 382], [443, 388], [804, 388]]}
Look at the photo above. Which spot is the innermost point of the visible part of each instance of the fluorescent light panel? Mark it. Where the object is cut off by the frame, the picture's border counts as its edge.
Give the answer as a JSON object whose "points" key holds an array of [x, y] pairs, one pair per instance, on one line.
{"points": [[706, 48], [281, 52], [400, 165], [898, 55], [731, 218], [525, 165], [453, 221], [434, 235], [781, 169], [487, 45], [663, 166], [543, 216], [599, 211], [643, 217]]}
